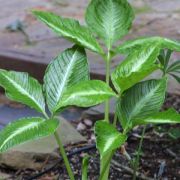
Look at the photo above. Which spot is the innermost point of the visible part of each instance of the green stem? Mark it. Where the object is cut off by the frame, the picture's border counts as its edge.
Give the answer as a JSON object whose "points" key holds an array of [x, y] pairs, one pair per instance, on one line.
{"points": [[64, 156], [85, 168], [45, 115], [62, 150], [105, 161], [138, 154], [107, 82], [105, 168]]}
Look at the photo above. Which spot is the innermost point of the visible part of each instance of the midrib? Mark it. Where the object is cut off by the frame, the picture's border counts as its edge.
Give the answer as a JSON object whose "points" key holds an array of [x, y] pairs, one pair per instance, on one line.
{"points": [[70, 35], [19, 131], [64, 82], [23, 91]]}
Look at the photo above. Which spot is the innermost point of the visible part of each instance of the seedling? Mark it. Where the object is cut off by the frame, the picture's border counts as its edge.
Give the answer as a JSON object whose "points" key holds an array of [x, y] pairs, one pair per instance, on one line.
{"points": [[66, 81]]}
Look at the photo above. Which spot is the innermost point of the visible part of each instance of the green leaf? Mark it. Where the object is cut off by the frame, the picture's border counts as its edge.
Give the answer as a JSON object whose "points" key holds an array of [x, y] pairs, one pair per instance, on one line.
{"points": [[177, 71], [109, 19], [86, 94], [167, 58], [21, 87], [161, 57], [164, 59], [176, 77], [166, 117], [107, 137], [142, 100], [68, 69], [69, 29], [174, 133], [174, 67], [139, 64], [24, 130], [163, 43]]}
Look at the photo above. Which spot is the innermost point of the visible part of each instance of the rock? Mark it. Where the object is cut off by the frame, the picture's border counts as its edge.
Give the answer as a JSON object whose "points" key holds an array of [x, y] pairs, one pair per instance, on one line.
{"points": [[165, 5], [93, 138], [81, 127], [88, 122], [33, 155]]}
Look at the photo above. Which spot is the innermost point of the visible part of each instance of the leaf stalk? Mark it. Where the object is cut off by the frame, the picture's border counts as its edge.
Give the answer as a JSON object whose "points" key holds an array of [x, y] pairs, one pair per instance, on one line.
{"points": [[108, 60]]}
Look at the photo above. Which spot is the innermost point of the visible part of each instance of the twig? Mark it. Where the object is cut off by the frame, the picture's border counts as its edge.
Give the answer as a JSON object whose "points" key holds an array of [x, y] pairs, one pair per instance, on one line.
{"points": [[171, 153], [129, 170], [137, 159], [161, 169], [125, 153]]}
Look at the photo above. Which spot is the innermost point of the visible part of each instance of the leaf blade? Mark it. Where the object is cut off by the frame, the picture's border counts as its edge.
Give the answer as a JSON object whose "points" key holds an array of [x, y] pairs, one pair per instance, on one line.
{"points": [[109, 19], [135, 67], [68, 69], [86, 94], [169, 116], [26, 129], [107, 137], [163, 43], [142, 100], [174, 67], [21, 87], [70, 29], [176, 77]]}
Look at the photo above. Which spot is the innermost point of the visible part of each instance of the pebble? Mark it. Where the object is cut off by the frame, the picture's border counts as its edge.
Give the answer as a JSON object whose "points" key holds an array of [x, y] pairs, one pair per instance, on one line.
{"points": [[88, 122], [93, 137], [81, 127]]}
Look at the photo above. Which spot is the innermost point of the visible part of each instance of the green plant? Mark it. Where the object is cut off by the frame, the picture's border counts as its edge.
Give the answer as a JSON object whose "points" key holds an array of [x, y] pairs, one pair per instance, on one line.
{"points": [[138, 102], [172, 69], [66, 83]]}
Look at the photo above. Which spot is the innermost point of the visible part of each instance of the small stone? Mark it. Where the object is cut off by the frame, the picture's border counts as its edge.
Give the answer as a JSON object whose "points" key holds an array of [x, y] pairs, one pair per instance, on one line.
{"points": [[33, 154], [93, 137], [81, 127], [4, 176], [88, 122]]}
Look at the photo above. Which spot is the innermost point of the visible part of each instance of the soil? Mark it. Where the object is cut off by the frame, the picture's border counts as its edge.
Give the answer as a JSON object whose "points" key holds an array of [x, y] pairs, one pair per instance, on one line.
{"points": [[160, 156]]}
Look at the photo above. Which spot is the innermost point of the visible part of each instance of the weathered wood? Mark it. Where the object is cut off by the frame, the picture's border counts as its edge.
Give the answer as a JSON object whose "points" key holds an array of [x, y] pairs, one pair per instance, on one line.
{"points": [[16, 54]]}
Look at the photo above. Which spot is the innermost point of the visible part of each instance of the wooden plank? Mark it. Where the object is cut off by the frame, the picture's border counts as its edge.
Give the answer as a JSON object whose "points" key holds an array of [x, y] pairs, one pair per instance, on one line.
{"points": [[16, 54]]}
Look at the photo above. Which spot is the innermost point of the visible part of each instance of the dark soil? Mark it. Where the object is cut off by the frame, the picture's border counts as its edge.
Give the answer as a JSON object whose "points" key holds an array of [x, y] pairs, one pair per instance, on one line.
{"points": [[160, 157]]}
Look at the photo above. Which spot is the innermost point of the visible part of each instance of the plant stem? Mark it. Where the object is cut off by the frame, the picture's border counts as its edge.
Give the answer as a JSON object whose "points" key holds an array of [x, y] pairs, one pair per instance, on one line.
{"points": [[64, 156], [125, 153], [45, 115], [138, 154], [85, 168], [107, 82], [62, 151], [105, 161], [104, 168]]}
